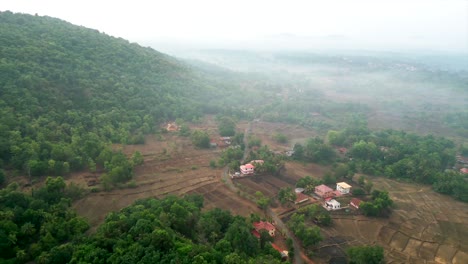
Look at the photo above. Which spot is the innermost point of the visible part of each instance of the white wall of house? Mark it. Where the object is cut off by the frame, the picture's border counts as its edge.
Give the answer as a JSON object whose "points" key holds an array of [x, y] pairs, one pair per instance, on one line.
{"points": [[342, 190]]}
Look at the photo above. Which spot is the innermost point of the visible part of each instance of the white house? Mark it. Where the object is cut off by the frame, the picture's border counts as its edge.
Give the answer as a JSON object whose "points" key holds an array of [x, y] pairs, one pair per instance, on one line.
{"points": [[332, 204], [343, 187], [247, 169]]}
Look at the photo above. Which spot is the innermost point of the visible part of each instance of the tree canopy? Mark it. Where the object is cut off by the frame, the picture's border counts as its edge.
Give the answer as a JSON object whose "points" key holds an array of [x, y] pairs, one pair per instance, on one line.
{"points": [[67, 92]]}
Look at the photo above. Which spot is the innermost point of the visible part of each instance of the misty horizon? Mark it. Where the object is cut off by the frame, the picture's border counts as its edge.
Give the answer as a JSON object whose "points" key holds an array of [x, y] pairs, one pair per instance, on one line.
{"points": [[399, 26]]}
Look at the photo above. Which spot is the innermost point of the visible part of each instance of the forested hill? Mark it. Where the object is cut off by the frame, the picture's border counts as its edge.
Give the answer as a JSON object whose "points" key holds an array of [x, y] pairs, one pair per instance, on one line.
{"points": [[66, 90]]}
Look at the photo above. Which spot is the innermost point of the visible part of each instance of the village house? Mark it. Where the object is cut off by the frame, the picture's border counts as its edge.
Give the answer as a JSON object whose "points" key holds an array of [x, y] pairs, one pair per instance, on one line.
{"points": [[332, 205], [213, 144], [247, 169], [224, 142], [171, 127], [343, 187], [263, 225], [464, 170], [323, 191], [300, 198], [284, 253], [355, 202]]}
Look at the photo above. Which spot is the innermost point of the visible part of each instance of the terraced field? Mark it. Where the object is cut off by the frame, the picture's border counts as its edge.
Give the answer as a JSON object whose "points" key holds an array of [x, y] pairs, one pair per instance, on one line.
{"points": [[425, 227]]}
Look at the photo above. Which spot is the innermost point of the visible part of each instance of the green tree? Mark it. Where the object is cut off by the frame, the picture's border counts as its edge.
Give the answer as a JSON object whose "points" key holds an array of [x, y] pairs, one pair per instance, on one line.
{"points": [[184, 130], [280, 138], [226, 126], [2, 177], [137, 158], [286, 194], [264, 238], [366, 255], [262, 200], [200, 139]]}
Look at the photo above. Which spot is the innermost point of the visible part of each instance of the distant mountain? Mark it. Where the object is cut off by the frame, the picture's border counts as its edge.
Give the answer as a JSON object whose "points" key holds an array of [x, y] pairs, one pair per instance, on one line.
{"points": [[65, 90]]}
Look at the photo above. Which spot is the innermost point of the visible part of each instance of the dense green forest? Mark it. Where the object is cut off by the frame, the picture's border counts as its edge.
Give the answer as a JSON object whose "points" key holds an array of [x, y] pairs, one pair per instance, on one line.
{"points": [[66, 92], [404, 156], [42, 227]]}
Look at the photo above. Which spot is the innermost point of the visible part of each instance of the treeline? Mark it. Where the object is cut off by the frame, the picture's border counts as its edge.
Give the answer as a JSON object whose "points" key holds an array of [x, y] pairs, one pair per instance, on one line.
{"points": [[400, 155], [67, 92], [43, 228], [35, 226]]}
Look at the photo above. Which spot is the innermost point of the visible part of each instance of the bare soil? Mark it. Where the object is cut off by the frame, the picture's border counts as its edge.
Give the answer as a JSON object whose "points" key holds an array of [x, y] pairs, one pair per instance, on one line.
{"points": [[171, 166], [424, 227]]}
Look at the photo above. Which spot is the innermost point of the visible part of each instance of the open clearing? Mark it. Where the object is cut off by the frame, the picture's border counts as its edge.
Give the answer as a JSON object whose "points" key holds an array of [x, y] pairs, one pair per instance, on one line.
{"points": [[172, 166]]}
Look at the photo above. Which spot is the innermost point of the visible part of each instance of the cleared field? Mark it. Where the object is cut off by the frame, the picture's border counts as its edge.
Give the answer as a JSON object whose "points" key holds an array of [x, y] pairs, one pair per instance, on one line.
{"points": [[424, 227], [294, 133], [172, 166]]}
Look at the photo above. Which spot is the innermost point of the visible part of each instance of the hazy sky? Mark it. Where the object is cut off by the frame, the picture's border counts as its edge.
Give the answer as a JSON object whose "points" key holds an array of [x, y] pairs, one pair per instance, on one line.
{"points": [[345, 24]]}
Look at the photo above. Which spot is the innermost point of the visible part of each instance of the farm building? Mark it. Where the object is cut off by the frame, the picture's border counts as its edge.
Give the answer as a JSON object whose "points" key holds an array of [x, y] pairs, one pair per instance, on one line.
{"points": [[247, 169], [332, 204], [171, 127], [343, 187], [323, 191], [355, 202], [300, 198], [262, 225]]}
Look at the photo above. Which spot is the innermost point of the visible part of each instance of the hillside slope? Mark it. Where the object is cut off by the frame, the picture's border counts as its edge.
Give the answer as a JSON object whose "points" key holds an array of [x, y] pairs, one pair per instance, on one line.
{"points": [[65, 91]]}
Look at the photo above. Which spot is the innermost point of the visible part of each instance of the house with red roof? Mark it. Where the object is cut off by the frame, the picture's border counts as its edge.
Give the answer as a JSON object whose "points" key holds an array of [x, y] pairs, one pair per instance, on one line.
{"points": [[300, 198], [284, 253], [323, 191], [464, 170], [263, 225], [355, 202], [247, 169]]}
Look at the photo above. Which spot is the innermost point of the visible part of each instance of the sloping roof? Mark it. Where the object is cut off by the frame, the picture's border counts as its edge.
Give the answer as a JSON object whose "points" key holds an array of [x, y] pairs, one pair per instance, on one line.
{"points": [[255, 233], [464, 170], [172, 127], [299, 190], [344, 185], [249, 166], [300, 197], [323, 188], [355, 202], [337, 193], [263, 225]]}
